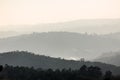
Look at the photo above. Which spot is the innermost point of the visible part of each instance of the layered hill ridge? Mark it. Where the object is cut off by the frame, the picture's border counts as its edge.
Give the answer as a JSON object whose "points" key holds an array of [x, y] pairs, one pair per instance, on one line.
{"points": [[110, 58], [99, 26], [24, 58], [61, 44]]}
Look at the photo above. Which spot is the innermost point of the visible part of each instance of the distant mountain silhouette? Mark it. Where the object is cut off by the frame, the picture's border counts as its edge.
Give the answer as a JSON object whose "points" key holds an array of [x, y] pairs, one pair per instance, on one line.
{"points": [[23, 58], [110, 57], [61, 44], [101, 26]]}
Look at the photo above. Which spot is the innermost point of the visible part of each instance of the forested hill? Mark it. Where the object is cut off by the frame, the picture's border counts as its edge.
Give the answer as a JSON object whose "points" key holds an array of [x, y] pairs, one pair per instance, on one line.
{"points": [[61, 44], [23, 58]]}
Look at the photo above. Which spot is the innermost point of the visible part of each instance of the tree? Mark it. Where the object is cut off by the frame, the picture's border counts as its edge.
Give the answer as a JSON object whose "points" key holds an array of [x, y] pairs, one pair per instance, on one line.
{"points": [[83, 68], [94, 72], [108, 75], [1, 68]]}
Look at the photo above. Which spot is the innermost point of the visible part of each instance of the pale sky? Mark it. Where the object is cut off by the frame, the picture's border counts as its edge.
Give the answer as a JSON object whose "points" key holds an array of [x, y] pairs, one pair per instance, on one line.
{"points": [[15, 12]]}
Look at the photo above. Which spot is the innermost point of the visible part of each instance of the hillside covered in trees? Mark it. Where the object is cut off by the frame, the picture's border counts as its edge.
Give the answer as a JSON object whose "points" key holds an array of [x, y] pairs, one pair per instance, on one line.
{"points": [[83, 73], [27, 59]]}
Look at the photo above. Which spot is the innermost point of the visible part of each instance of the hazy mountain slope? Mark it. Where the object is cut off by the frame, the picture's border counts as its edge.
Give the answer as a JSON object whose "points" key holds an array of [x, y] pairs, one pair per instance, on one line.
{"points": [[113, 35], [61, 44], [101, 26], [28, 59], [5, 34], [110, 58]]}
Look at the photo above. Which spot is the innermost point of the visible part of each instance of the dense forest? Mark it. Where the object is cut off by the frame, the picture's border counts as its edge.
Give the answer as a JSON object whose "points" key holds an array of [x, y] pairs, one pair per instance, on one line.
{"points": [[83, 73]]}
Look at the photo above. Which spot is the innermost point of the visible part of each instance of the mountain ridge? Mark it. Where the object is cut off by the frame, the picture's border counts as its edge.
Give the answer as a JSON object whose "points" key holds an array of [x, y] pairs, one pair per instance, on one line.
{"points": [[28, 59], [65, 44], [99, 26]]}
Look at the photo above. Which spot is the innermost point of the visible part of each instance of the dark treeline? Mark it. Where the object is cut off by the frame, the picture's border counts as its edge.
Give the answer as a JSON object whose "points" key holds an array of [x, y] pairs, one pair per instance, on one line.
{"points": [[25, 73]]}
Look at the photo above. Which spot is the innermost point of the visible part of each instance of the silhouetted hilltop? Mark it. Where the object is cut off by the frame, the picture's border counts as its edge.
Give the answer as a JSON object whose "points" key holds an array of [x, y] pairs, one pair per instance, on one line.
{"points": [[23, 58]]}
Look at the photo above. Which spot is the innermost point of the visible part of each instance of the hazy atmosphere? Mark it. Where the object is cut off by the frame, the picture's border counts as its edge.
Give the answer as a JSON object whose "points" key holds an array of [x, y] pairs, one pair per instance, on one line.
{"points": [[59, 39], [16, 15]]}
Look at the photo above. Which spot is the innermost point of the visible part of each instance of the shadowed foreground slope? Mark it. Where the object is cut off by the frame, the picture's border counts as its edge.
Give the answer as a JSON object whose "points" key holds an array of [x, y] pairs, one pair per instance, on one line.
{"points": [[17, 58]]}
